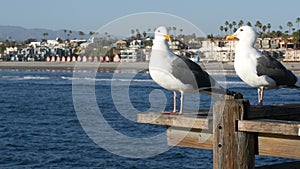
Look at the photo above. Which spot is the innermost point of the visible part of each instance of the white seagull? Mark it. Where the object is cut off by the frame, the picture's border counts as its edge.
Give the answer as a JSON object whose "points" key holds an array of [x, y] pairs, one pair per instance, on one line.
{"points": [[179, 74], [256, 69]]}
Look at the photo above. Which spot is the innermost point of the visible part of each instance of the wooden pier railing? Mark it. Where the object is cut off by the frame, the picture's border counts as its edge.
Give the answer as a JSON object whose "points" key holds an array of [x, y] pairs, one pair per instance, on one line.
{"points": [[236, 132]]}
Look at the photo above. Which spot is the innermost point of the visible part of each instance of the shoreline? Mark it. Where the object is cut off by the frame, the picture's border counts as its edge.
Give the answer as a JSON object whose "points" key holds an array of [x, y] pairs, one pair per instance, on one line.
{"points": [[140, 66], [70, 65]]}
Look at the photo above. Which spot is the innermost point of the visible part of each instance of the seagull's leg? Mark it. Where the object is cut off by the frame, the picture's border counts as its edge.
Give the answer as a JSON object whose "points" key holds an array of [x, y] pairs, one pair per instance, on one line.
{"points": [[181, 103], [174, 105], [175, 101], [260, 93]]}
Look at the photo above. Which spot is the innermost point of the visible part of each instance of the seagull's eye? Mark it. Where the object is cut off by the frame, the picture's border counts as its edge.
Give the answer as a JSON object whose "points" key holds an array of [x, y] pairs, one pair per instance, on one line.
{"points": [[241, 30], [158, 31]]}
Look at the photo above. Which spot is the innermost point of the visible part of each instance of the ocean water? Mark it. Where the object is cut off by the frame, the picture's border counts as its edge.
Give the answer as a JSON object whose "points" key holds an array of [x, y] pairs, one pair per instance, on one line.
{"points": [[43, 122]]}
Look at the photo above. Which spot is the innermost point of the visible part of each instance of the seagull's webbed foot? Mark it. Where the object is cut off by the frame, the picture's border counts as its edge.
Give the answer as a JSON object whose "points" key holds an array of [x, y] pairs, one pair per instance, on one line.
{"points": [[173, 113], [259, 105]]}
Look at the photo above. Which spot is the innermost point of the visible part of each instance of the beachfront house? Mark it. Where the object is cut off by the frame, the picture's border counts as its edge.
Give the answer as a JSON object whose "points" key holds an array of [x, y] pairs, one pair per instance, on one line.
{"points": [[218, 50], [133, 55]]}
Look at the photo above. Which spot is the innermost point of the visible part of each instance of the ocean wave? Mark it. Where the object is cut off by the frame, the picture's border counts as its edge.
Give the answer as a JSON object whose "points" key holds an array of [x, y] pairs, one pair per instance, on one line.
{"points": [[107, 79], [26, 77], [232, 82]]}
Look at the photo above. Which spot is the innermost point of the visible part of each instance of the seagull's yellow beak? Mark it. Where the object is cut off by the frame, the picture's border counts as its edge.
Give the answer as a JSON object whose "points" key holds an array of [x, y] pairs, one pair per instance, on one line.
{"points": [[231, 37], [168, 37]]}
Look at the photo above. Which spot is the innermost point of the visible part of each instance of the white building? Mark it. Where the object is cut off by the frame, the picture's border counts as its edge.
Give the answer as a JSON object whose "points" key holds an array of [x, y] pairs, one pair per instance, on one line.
{"points": [[133, 55], [218, 50], [136, 44], [292, 55]]}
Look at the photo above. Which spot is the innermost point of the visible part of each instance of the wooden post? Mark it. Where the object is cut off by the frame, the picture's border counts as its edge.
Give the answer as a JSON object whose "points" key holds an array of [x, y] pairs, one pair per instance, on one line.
{"points": [[231, 149]]}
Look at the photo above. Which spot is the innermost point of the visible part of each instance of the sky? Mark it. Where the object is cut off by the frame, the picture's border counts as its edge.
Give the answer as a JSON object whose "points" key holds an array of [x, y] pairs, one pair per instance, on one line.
{"points": [[91, 15]]}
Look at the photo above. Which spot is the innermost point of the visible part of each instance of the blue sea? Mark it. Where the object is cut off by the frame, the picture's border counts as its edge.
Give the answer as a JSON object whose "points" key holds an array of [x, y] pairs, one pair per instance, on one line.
{"points": [[65, 119]]}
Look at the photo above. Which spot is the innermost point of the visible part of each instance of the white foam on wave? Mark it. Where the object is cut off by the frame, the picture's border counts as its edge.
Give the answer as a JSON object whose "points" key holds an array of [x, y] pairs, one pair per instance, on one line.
{"points": [[36, 77], [26, 77], [232, 82], [107, 79]]}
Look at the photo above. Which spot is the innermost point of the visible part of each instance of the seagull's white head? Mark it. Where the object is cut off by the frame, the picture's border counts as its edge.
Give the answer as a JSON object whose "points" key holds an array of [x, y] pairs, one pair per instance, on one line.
{"points": [[162, 33], [246, 34]]}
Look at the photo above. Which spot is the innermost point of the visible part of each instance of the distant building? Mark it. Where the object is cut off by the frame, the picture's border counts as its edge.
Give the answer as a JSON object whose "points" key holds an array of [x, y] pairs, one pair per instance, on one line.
{"points": [[136, 44], [132, 55], [177, 45], [292, 55], [121, 44], [223, 51], [218, 50]]}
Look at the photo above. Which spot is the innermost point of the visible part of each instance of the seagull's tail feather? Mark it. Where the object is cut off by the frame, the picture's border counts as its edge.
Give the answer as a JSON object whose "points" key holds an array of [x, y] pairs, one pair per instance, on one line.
{"points": [[294, 87], [297, 84], [221, 93]]}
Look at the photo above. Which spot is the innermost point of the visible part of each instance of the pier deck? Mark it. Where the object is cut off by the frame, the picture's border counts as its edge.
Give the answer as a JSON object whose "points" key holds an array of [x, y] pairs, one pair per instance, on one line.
{"points": [[235, 131]]}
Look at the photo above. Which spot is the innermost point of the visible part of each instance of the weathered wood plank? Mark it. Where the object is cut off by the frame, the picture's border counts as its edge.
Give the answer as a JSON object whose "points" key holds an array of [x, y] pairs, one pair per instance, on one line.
{"points": [[282, 112], [193, 138], [235, 131], [290, 128], [288, 165], [268, 145], [231, 149], [279, 146], [173, 120]]}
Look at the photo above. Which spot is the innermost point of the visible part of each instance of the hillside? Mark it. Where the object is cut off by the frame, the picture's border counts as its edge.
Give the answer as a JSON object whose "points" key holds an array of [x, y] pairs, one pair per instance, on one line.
{"points": [[20, 34]]}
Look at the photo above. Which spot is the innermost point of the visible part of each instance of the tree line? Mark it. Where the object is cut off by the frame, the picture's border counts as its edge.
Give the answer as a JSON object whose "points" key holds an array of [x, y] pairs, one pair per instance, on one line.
{"points": [[263, 29]]}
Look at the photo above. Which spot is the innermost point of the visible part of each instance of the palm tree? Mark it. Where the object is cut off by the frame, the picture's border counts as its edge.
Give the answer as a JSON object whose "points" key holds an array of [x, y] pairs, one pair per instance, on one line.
{"points": [[230, 27], [70, 33], [234, 29], [138, 36], [45, 34], [241, 23], [290, 25], [169, 29], [81, 33], [298, 32], [298, 22], [234, 24], [226, 24], [264, 28], [174, 31], [258, 24], [269, 27], [285, 39], [65, 31], [132, 32], [225, 29], [221, 29], [144, 34], [280, 27], [91, 33]]}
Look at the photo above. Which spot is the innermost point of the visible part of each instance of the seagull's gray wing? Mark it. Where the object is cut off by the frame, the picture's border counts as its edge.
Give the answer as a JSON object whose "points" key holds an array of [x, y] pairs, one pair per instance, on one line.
{"points": [[269, 66]]}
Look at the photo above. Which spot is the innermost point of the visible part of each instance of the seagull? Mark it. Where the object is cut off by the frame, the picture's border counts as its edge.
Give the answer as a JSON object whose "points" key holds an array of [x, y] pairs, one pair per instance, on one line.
{"points": [[178, 73], [257, 69]]}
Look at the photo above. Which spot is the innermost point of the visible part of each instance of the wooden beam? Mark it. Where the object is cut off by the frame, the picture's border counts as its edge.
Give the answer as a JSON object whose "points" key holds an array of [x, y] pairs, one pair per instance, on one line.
{"points": [[290, 128], [280, 112], [189, 138], [279, 146], [268, 145], [173, 120], [289, 165], [231, 149]]}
